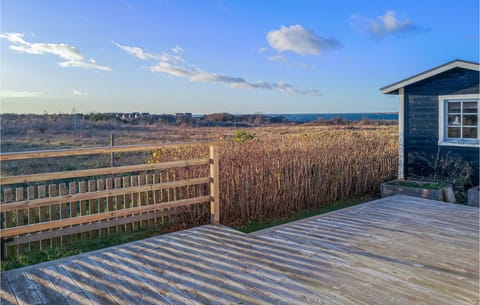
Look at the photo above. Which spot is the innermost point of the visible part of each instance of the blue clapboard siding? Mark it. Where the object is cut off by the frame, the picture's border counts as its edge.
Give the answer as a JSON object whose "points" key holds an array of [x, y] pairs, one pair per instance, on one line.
{"points": [[422, 152]]}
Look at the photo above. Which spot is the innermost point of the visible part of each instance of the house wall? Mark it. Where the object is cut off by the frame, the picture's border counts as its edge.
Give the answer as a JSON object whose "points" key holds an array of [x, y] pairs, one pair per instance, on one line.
{"points": [[424, 158]]}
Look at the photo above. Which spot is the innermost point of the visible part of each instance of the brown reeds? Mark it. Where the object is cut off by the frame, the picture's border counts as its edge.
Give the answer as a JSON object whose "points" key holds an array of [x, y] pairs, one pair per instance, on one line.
{"points": [[274, 175]]}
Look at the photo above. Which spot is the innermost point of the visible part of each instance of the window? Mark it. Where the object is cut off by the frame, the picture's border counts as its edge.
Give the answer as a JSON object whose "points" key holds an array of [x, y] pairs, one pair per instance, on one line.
{"points": [[459, 120]]}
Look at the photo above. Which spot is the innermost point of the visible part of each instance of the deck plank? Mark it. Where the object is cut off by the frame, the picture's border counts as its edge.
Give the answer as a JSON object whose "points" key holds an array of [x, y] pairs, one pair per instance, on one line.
{"points": [[132, 289], [122, 293], [91, 288], [61, 287], [7, 297], [154, 281], [24, 291], [247, 284], [396, 250], [189, 276]]}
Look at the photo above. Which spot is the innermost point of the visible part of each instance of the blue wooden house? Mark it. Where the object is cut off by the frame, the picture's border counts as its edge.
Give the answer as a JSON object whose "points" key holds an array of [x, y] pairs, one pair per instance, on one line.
{"points": [[439, 136]]}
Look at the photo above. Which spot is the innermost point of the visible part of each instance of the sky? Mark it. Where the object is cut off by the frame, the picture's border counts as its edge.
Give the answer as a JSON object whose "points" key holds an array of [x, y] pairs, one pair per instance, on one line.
{"points": [[168, 56]]}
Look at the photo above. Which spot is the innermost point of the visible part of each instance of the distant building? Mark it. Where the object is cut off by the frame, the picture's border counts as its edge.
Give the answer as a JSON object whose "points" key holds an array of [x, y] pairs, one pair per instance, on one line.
{"points": [[165, 118], [439, 121], [183, 117]]}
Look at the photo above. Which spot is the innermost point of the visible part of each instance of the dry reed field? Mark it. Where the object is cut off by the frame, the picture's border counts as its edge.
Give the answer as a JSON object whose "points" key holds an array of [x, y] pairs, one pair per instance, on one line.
{"points": [[269, 174], [265, 172], [275, 175]]}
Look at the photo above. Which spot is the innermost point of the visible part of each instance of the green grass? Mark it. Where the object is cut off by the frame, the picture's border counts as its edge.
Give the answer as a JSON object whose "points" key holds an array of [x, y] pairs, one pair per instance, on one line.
{"points": [[78, 248], [253, 226], [461, 198], [427, 185]]}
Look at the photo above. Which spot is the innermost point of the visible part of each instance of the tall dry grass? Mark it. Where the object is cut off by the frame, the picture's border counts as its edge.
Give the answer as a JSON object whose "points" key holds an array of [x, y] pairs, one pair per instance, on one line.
{"points": [[272, 175]]}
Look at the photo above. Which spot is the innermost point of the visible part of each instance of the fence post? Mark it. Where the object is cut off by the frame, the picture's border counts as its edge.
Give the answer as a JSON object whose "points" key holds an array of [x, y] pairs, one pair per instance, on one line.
{"points": [[214, 187], [112, 155]]}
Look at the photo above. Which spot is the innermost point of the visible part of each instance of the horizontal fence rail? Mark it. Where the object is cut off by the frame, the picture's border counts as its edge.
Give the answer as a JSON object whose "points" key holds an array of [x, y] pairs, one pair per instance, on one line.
{"points": [[48, 210], [89, 151], [100, 171]]}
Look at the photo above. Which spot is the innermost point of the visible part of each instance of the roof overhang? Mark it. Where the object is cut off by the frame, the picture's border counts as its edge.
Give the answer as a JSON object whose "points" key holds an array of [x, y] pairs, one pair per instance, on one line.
{"points": [[393, 88]]}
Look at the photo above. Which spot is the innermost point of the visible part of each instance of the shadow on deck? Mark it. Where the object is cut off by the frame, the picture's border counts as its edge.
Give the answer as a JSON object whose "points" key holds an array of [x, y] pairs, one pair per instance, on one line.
{"points": [[395, 250]]}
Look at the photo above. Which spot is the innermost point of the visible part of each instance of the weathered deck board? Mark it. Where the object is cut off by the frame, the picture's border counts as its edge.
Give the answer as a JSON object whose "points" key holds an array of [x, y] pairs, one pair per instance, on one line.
{"points": [[396, 250], [7, 296]]}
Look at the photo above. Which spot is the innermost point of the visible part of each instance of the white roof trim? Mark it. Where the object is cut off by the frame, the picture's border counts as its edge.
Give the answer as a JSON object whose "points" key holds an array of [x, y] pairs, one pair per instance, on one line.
{"points": [[429, 73]]}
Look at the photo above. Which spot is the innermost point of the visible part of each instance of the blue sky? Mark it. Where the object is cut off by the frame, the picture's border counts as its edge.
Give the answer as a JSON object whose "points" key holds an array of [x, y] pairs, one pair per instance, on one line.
{"points": [[223, 56]]}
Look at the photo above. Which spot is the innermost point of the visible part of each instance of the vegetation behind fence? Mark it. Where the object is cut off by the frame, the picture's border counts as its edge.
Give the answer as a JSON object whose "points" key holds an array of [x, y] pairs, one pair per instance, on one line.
{"points": [[270, 176], [260, 177], [274, 176]]}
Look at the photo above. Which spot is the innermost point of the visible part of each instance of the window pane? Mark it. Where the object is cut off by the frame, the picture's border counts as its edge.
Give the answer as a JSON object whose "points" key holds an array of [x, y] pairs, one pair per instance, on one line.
{"points": [[470, 107], [454, 107], [470, 132], [470, 120], [453, 120], [454, 132]]}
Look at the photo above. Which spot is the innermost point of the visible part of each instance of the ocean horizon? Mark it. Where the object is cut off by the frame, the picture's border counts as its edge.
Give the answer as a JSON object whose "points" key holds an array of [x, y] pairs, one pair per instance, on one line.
{"points": [[312, 117]]}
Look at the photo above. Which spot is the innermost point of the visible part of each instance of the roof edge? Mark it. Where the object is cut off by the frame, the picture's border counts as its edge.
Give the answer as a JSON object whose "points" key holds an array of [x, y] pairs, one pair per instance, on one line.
{"points": [[457, 63]]}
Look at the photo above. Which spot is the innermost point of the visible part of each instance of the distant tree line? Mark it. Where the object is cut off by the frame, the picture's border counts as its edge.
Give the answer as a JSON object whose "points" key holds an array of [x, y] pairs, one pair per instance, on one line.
{"points": [[41, 123], [79, 120]]}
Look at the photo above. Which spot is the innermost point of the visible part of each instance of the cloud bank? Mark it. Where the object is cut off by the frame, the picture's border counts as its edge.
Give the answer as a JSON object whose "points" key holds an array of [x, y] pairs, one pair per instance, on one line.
{"points": [[174, 65], [19, 94], [299, 40], [387, 24], [79, 92], [71, 55]]}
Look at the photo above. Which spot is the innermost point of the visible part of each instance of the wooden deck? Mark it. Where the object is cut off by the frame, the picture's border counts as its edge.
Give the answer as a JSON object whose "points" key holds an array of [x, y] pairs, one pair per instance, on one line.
{"points": [[396, 250]]}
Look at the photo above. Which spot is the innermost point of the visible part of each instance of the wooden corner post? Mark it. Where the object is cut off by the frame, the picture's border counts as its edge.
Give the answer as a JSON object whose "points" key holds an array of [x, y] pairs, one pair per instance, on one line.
{"points": [[214, 187]]}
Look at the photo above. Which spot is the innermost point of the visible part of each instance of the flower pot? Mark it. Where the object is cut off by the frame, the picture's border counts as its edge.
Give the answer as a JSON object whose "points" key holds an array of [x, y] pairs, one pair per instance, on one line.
{"points": [[472, 196]]}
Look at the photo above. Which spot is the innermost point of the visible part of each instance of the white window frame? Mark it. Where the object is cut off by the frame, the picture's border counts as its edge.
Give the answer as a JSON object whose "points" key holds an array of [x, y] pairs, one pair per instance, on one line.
{"points": [[442, 121]]}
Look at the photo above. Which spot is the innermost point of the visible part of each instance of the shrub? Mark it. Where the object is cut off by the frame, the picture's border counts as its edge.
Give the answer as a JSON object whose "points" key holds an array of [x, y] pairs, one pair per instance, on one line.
{"points": [[242, 136]]}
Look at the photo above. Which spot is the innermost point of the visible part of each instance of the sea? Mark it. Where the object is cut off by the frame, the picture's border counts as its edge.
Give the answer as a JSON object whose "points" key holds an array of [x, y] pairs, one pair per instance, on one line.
{"points": [[312, 117]]}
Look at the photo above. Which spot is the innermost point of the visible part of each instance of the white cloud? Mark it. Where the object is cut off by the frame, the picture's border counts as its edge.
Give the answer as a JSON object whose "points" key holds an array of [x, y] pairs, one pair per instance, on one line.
{"points": [[137, 52], [83, 65], [61, 50], [383, 25], [282, 59], [171, 58], [69, 53], [79, 92], [278, 57], [177, 49], [262, 50], [140, 54], [297, 39], [174, 65], [13, 38], [18, 94]]}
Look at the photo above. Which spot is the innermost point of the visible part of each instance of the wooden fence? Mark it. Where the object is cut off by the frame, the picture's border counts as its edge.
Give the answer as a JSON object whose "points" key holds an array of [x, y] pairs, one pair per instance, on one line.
{"points": [[48, 210]]}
